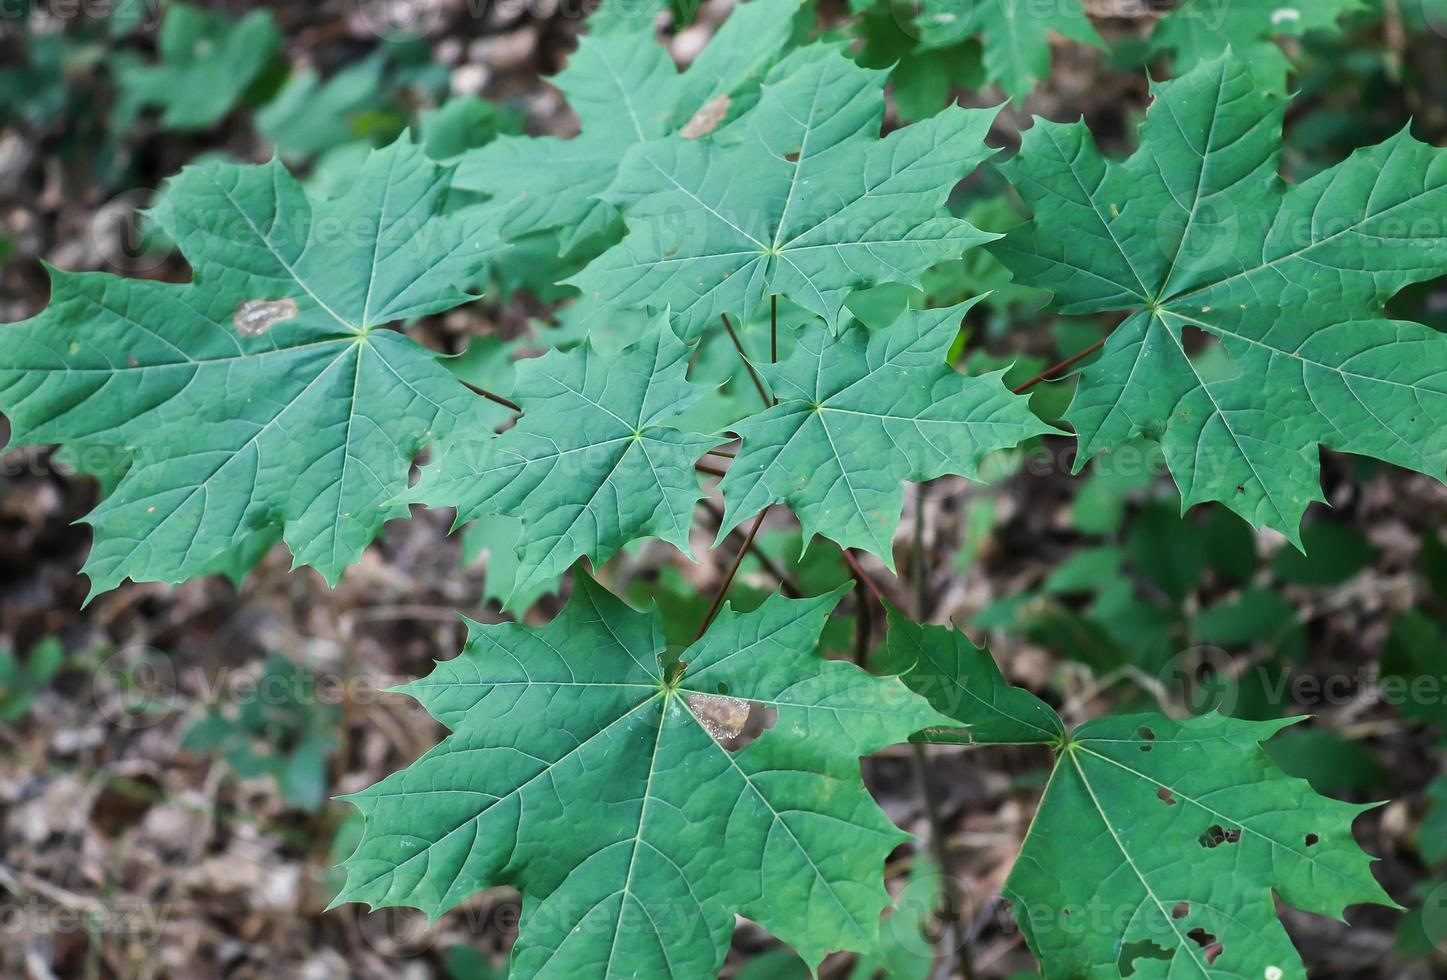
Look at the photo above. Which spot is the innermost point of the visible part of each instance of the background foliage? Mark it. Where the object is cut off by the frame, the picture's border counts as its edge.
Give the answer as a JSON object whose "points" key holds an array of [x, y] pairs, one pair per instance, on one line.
{"points": [[171, 751]]}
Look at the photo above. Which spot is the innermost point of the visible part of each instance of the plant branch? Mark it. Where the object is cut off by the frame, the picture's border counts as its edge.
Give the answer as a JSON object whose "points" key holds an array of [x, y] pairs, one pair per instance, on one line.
{"points": [[725, 453], [786, 584], [505, 402], [710, 470], [733, 570], [939, 841], [774, 328], [1057, 368], [863, 622], [739, 346], [861, 574], [954, 898]]}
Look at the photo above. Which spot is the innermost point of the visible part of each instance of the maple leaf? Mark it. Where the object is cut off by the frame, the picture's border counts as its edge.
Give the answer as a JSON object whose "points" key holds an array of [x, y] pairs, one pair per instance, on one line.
{"points": [[262, 395], [1158, 844], [207, 63], [859, 414], [1014, 34], [1197, 232], [962, 681], [1181, 832], [611, 793], [1194, 31], [625, 90], [593, 463], [798, 197]]}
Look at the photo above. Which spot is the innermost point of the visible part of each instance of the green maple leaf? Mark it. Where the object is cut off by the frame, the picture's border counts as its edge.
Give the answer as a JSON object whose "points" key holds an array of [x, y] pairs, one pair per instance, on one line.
{"points": [[1202, 30], [309, 115], [583, 773], [961, 680], [1183, 831], [625, 90], [798, 197], [859, 414], [592, 464], [261, 396], [207, 63], [1159, 844], [1196, 230], [1014, 33]]}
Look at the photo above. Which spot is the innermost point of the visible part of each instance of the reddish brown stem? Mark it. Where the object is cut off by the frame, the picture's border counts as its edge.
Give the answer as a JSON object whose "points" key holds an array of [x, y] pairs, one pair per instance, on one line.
{"points": [[786, 584], [733, 570], [743, 355], [505, 402], [1056, 369], [774, 328], [862, 575]]}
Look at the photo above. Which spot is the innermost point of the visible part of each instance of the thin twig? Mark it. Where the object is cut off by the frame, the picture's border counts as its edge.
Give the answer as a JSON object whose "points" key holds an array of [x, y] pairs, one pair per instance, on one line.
{"points": [[725, 453], [739, 346], [863, 621], [729, 578], [505, 402], [786, 584], [774, 328], [861, 574], [1057, 368], [710, 470], [939, 842], [917, 559]]}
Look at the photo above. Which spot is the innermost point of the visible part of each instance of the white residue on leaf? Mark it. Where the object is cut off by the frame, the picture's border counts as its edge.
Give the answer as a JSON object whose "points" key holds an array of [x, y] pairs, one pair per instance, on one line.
{"points": [[254, 317]]}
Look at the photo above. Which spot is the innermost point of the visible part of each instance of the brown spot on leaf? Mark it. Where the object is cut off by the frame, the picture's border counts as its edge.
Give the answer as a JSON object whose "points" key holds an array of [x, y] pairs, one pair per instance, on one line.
{"points": [[254, 317], [1166, 796], [724, 718], [706, 119]]}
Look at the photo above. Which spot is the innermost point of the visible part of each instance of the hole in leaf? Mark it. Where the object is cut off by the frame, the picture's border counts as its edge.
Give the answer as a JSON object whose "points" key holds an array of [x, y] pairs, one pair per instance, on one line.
{"points": [[723, 688], [1181, 910], [1195, 340], [1312, 840], [792, 156], [1216, 835], [1166, 796], [1146, 734], [1210, 945], [732, 722], [1133, 953]]}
